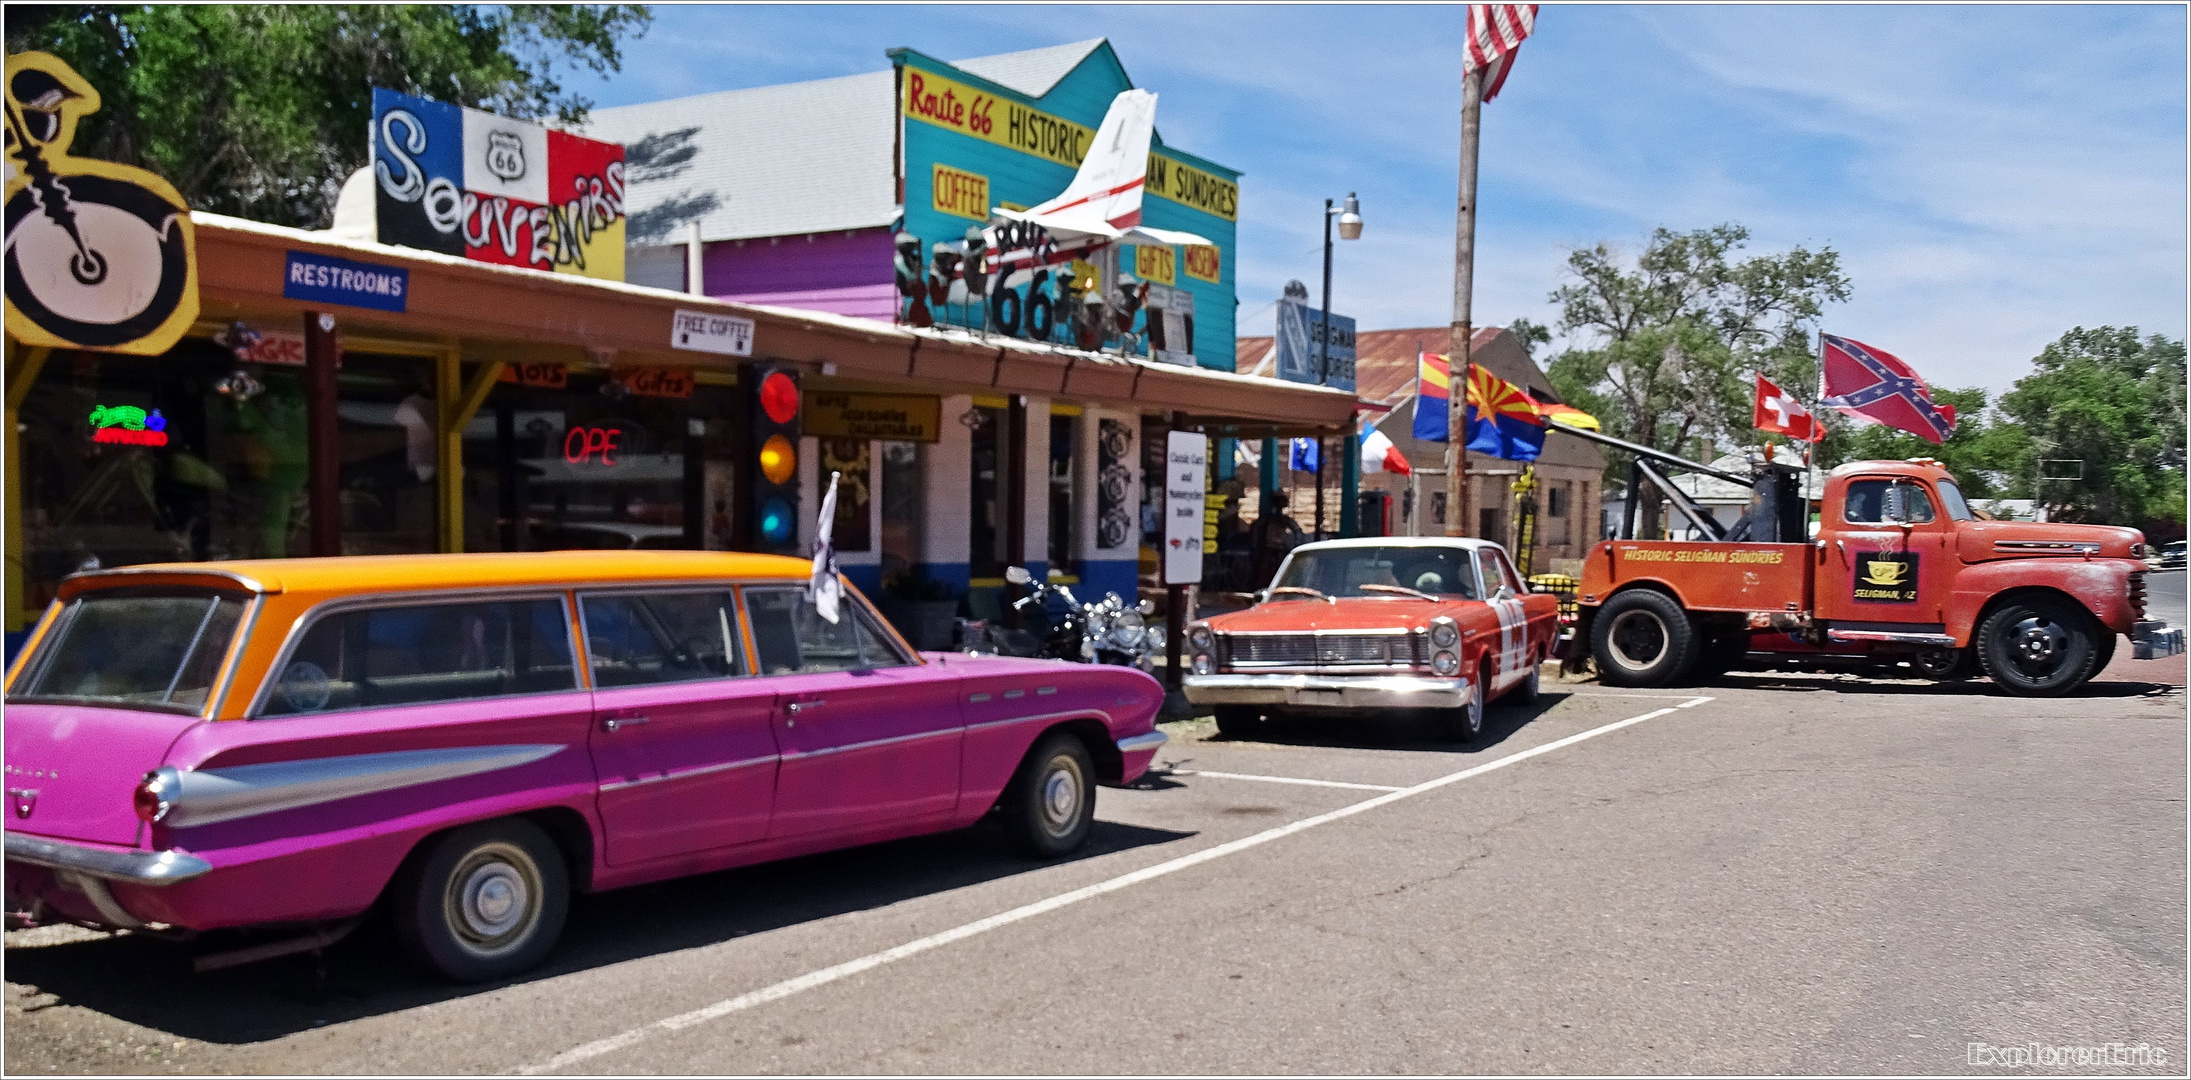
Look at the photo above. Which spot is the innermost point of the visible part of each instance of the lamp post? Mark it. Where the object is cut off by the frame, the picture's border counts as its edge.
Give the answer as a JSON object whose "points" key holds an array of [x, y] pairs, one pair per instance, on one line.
{"points": [[1350, 458]]}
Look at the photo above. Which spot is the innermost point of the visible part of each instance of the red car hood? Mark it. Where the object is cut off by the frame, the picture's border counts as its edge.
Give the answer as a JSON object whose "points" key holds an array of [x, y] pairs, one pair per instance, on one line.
{"points": [[1347, 613], [1984, 541]]}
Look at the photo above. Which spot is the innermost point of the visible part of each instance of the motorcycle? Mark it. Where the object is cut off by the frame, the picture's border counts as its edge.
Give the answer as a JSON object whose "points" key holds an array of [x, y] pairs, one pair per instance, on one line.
{"points": [[1106, 631]]}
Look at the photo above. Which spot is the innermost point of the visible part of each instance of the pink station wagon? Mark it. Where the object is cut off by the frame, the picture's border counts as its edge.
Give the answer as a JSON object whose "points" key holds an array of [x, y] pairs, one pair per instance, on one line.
{"points": [[210, 745]]}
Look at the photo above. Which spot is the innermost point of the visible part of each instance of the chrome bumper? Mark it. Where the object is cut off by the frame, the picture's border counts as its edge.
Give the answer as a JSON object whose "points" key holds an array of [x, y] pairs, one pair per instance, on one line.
{"points": [[1329, 691], [2154, 640], [1146, 741], [134, 867]]}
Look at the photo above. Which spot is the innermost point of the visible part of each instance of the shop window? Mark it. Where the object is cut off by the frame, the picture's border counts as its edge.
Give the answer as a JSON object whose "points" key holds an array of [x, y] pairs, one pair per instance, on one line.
{"points": [[989, 470], [190, 456], [902, 503], [592, 464], [850, 458], [425, 653], [634, 639], [1555, 501], [790, 637], [1064, 514]]}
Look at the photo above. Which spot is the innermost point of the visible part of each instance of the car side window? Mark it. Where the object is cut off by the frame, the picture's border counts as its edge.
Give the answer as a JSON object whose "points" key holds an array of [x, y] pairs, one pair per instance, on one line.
{"points": [[638, 638], [1487, 563], [790, 637], [425, 653], [1507, 573]]}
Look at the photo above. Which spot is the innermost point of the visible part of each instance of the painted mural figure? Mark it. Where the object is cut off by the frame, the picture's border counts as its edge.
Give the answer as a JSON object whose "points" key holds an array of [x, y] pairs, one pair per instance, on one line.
{"points": [[99, 255]]}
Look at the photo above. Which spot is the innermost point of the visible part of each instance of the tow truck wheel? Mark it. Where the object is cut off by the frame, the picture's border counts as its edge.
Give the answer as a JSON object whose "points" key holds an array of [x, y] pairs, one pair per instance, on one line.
{"points": [[1642, 638], [2038, 647]]}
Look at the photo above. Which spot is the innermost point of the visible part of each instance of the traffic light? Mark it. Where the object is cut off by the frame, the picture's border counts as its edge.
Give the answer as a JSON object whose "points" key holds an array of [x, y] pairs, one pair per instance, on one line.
{"points": [[775, 460]]}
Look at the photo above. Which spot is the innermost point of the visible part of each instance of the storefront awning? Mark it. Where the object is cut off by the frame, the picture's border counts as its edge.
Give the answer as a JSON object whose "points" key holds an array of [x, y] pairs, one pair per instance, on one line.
{"points": [[517, 315]]}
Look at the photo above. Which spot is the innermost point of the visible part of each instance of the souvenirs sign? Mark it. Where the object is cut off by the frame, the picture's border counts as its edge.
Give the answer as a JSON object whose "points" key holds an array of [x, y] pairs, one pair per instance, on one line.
{"points": [[99, 255], [466, 182]]}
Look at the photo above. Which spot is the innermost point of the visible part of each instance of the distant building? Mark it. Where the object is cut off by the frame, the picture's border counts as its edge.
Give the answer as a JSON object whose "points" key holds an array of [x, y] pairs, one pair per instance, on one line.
{"points": [[1569, 473]]}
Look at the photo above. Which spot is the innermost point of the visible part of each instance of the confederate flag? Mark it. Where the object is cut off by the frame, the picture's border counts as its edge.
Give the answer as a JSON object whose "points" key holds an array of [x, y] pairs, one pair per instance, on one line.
{"points": [[1778, 411], [1876, 386]]}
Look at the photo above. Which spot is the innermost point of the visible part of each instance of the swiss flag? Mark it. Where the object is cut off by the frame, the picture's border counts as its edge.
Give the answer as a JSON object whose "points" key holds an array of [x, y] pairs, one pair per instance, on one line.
{"points": [[1778, 411]]}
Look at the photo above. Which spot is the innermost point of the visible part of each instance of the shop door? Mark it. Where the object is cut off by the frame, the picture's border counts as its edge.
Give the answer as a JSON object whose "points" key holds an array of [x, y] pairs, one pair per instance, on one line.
{"points": [[1886, 557]]}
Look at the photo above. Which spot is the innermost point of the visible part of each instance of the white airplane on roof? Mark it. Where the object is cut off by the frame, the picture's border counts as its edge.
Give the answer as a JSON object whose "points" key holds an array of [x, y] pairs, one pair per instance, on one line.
{"points": [[1103, 203]]}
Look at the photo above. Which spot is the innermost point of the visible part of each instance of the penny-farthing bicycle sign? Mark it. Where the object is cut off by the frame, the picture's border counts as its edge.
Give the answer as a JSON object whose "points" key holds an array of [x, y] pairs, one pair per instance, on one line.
{"points": [[99, 255]]}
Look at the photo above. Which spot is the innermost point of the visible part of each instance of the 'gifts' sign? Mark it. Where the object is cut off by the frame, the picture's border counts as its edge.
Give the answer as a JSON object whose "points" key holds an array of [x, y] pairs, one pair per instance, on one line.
{"points": [[466, 182]]}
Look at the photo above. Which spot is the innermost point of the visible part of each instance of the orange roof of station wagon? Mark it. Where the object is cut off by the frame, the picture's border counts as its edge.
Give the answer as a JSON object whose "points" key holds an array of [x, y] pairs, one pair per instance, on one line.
{"points": [[477, 570]]}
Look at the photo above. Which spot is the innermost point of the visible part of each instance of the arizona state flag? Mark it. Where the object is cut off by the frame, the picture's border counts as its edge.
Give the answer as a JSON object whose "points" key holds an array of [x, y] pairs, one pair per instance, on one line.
{"points": [[1433, 397], [1502, 421]]}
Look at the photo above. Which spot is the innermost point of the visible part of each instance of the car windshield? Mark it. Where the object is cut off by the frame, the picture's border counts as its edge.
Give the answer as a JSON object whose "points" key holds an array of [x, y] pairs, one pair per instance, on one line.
{"points": [[1336, 572], [145, 650], [1952, 498]]}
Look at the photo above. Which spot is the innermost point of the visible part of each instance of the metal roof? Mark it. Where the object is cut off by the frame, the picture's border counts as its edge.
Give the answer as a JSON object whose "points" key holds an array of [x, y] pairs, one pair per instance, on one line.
{"points": [[806, 157], [1034, 72], [770, 161]]}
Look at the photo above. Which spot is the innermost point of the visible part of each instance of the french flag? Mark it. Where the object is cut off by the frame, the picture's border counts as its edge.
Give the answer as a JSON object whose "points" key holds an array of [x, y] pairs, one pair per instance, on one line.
{"points": [[1380, 455]]}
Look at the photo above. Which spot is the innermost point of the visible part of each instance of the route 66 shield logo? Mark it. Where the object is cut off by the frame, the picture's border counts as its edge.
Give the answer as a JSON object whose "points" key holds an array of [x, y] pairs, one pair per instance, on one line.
{"points": [[99, 255]]}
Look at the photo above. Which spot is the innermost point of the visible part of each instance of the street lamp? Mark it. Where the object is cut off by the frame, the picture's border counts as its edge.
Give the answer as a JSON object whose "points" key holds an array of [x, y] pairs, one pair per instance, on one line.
{"points": [[1350, 465]]}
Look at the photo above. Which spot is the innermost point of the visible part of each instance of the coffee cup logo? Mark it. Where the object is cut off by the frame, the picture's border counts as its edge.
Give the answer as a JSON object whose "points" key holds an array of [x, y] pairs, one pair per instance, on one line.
{"points": [[1884, 572]]}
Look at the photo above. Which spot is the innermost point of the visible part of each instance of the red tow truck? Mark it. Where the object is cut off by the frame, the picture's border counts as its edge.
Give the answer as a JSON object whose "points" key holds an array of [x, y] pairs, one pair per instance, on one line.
{"points": [[1900, 568]]}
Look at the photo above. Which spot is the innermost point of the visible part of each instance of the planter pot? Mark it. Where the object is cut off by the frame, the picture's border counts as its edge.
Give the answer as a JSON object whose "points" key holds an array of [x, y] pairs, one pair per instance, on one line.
{"points": [[925, 623]]}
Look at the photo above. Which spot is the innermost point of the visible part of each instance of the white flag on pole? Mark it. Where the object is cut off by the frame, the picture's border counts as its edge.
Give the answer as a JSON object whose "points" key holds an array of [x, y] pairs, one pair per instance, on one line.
{"points": [[824, 589]]}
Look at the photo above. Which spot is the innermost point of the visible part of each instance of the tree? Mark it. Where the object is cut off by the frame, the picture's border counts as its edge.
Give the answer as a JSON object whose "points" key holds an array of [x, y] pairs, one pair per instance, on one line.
{"points": [[1667, 349], [1988, 458], [2114, 403], [263, 111]]}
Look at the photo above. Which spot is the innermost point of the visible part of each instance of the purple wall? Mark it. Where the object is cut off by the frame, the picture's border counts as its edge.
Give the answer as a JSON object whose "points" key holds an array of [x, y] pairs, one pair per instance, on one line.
{"points": [[847, 275]]}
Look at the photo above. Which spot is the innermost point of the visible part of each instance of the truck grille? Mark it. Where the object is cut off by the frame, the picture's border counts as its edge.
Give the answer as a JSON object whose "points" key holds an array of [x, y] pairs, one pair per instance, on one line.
{"points": [[1321, 650], [2137, 594]]}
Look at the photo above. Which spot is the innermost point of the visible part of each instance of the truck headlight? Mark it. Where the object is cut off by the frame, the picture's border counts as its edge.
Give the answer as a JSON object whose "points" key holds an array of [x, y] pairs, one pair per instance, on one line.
{"points": [[1444, 633], [1446, 664]]}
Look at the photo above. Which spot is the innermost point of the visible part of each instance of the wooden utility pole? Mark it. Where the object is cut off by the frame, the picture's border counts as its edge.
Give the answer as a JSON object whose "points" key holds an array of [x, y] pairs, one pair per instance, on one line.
{"points": [[1464, 280]]}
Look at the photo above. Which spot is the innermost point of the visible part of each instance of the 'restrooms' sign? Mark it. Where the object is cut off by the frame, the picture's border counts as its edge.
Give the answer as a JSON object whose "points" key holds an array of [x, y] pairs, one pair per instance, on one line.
{"points": [[465, 182]]}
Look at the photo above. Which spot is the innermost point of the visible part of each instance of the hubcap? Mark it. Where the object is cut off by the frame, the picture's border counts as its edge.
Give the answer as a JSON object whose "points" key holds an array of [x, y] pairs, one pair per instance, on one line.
{"points": [[1061, 797], [2038, 646], [492, 900], [1638, 639]]}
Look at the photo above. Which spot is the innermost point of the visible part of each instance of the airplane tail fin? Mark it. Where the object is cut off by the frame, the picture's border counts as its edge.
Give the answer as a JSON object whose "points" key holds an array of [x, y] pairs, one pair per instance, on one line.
{"points": [[1107, 189]]}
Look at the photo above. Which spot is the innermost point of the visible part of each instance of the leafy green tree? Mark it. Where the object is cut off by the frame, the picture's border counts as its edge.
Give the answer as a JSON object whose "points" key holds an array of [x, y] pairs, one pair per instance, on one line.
{"points": [[1987, 456], [1666, 349], [2114, 402], [262, 111]]}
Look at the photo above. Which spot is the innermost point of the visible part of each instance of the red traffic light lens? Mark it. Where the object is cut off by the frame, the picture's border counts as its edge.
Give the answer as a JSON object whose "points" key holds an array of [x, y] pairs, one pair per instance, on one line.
{"points": [[779, 397]]}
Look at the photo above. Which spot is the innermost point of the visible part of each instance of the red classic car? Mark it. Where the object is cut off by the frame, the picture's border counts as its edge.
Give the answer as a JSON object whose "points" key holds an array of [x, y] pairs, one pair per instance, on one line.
{"points": [[471, 738], [1436, 623]]}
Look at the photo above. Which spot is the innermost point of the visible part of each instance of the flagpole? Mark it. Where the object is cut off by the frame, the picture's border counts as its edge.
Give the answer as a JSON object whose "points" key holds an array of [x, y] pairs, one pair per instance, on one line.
{"points": [[1464, 279]]}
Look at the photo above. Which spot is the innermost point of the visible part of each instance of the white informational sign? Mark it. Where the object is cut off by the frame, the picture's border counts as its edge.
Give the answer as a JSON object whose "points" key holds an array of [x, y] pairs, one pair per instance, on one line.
{"points": [[704, 331], [1186, 474]]}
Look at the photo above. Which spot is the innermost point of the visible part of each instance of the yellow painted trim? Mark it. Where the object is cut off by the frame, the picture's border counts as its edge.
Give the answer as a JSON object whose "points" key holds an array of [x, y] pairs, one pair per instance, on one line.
{"points": [[1064, 579], [986, 583], [24, 364], [992, 401], [715, 378], [460, 401], [1066, 410]]}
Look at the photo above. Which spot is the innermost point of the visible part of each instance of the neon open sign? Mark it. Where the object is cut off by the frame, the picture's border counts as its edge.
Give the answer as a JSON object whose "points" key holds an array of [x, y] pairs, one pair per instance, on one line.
{"points": [[592, 445], [127, 425]]}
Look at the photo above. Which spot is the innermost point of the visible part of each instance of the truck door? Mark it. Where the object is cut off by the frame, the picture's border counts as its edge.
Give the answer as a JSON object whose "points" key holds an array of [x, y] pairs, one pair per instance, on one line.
{"points": [[1886, 557]]}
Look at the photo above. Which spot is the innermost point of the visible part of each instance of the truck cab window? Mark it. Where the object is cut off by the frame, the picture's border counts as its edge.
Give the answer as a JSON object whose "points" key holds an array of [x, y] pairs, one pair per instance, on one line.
{"points": [[1873, 502]]}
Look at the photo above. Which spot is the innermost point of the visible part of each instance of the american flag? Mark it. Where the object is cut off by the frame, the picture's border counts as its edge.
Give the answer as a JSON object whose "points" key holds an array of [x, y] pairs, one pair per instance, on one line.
{"points": [[1495, 32]]}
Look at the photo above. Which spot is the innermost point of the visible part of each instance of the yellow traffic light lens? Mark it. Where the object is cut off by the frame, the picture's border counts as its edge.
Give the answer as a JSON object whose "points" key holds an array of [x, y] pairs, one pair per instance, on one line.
{"points": [[779, 461]]}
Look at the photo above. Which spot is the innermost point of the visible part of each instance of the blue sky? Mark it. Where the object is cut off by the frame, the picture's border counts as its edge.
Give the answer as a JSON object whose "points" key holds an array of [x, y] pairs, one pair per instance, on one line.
{"points": [[1991, 176]]}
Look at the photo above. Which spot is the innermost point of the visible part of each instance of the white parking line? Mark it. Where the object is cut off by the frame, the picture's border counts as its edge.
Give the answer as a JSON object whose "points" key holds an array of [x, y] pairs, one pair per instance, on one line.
{"points": [[871, 961], [1284, 780]]}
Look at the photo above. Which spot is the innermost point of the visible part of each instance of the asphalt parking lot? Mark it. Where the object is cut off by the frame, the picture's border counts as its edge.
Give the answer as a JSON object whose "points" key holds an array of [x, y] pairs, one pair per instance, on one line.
{"points": [[1773, 872]]}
